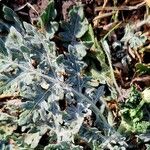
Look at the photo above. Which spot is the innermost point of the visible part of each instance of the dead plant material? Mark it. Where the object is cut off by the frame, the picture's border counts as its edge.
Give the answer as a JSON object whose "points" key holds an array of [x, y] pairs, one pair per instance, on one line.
{"points": [[100, 16], [121, 7], [28, 5], [65, 7], [138, 55], [148, 2], [143, 80], [38, 7], [5, 97], [131, 53]]}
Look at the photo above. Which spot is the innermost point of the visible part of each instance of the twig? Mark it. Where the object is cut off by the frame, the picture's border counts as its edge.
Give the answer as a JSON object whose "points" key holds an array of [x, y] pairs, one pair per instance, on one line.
{"points": [[105, 2], [122, 7], [116, 26], [100, 16], [27, 4], [4, 97], [141, 23]]}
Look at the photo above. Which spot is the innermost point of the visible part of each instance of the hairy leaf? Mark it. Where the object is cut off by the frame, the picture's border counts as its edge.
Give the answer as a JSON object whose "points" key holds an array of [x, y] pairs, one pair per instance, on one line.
{"points": [[76, 27]]}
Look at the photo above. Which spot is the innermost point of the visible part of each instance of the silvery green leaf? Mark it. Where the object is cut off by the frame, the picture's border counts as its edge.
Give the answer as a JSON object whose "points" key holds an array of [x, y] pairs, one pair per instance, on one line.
{"points": [[27, 91], [36, 116], [25, 49], [24, 118], [95, 94], [44, 85], [6, 117], [76, 27], [43, 79], [91, 134], [3, 50], [44, 105], [14, 39], [72, 59], [43, 114], [43, 129], [4, 27], [147, 146], [110, 118], [4, 67], [135, 41], [75, 79], [10, 15], [50, 48], [144, 137], [63, 146], [32, 139], [57, 93], [53, 27], [30, 30], [78, 49]]}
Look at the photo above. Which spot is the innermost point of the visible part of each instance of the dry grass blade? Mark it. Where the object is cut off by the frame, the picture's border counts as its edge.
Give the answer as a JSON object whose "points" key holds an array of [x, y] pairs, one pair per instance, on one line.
{"points": [[28, 5], [100, 16], [4, 97], [107, 51], [121, 7]]}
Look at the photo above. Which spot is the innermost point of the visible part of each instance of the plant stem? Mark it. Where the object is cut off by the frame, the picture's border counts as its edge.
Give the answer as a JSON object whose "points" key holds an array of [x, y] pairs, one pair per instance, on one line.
{"points": [[107, 52]]}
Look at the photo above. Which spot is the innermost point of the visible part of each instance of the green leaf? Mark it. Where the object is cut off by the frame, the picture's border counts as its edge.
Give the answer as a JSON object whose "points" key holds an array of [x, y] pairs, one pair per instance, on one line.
{"points": [[48, 14], [142, 126], [89, 35], [47, 20], [96, 61], [142, 68]]}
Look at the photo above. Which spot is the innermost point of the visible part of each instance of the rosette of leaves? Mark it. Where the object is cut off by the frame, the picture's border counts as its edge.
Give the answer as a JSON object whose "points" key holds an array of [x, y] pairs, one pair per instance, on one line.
{"points": [[134, 118], [44, 80], [29, 66]]}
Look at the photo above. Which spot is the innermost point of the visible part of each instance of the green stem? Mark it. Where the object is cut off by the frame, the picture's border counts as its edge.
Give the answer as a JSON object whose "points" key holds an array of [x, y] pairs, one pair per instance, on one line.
{"points": [[107, 52]]}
